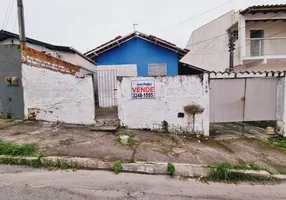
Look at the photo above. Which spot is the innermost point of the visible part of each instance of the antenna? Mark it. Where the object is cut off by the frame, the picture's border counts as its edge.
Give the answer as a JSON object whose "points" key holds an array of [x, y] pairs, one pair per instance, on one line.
{"points": [[134, 27]]}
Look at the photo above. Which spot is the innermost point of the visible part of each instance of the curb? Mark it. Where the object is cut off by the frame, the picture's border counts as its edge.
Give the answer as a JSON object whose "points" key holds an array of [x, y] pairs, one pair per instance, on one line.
{"points": [[158, 168], [155, 168]]}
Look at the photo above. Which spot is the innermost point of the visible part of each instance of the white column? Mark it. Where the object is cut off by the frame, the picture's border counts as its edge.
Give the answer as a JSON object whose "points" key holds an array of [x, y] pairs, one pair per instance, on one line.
{"points": [[242, 33], [206, 113], [281, 106]]}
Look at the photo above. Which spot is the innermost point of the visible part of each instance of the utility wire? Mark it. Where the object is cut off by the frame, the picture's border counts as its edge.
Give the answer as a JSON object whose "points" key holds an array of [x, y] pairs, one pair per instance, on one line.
{"points": [[6, 14], [15, 22], [196, 16], [250, 42], [215, 37], [7, 22]]}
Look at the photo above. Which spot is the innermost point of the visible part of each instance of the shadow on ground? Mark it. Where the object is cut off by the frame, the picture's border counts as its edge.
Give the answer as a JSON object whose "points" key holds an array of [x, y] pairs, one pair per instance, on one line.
{"points": [[232, 143]]}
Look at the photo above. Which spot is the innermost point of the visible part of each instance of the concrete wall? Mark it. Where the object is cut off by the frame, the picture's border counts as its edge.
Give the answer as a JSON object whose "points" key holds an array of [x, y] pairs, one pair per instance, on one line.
{"points": [[11, 97], [54, 91], [207, 52], [171, 95], [140, 52], [57, 96]]}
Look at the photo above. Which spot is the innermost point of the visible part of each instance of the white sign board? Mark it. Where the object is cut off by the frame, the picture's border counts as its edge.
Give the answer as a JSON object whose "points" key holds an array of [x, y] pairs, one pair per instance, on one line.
{"points": [[143, 89]]}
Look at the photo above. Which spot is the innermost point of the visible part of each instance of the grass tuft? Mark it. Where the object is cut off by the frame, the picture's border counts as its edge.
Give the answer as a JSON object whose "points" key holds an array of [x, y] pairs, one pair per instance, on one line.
{"points": [[278, 141], [223, 173], [7, 148]]}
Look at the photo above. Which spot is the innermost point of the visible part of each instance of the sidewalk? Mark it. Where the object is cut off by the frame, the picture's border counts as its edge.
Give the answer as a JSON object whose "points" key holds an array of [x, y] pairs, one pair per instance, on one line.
{"points": [[79, 141]]}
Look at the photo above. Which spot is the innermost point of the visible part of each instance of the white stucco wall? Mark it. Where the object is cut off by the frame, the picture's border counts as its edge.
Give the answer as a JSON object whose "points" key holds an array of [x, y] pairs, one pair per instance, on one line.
{"points": [[172, 94], [59, 97], [207, 52]]}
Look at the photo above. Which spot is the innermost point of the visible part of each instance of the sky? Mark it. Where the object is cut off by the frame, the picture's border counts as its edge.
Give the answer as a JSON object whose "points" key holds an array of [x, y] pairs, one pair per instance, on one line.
{"points": [[86, 24]]}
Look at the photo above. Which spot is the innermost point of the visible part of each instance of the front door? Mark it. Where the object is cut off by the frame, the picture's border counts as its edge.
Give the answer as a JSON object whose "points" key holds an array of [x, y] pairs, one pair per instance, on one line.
{"points": [[256, 42]]}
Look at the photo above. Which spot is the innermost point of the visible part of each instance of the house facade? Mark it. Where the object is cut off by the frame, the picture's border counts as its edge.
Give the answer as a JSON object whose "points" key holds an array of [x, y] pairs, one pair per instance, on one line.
{"points": [[37, 85], [151, 55], [260, 41]]}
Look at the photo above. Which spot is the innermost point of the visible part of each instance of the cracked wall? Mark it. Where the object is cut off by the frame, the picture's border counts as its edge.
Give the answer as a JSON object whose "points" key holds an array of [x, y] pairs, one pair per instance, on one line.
{"points": [[172, 93]]}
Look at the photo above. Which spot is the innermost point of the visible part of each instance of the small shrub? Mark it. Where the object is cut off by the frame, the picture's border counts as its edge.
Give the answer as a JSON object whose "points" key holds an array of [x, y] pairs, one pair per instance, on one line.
{"points": [[171, 169], [194, 109], [165, 126], [117, 166]]}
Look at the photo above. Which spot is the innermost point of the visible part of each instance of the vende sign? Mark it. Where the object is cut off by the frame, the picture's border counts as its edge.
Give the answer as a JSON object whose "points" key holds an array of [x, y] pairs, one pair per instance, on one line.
{"points": [[143, 89]]}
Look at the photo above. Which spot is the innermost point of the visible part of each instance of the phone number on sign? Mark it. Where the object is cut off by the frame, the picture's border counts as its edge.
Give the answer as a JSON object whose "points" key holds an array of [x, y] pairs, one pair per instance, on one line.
{"points": [[142, 95]]}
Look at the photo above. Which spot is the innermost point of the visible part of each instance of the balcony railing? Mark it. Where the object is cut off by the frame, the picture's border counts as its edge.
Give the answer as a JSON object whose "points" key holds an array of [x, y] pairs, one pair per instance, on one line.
{"points": [[264, 47]]}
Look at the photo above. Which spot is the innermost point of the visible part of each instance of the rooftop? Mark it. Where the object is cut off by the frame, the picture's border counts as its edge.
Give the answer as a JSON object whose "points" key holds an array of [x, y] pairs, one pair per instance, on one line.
{"points": [[121, 39], [275, 8], [4, 35]]}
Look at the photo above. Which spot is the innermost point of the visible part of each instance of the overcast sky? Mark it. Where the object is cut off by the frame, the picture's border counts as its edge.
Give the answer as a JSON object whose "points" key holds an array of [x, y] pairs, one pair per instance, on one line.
{"points": [[85, 24]]}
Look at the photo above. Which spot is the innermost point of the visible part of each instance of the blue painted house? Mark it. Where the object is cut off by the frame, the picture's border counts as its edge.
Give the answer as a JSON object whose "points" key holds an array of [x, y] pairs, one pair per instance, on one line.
{"points": [[153, 56]]}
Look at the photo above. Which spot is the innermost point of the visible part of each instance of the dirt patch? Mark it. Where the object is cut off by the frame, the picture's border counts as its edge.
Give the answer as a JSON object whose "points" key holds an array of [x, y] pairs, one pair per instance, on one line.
{"points": [[63, 140]]}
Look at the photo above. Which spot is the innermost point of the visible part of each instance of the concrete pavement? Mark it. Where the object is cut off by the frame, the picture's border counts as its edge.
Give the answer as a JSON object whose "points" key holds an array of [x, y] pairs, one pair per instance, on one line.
{"points": [[19, 183]]}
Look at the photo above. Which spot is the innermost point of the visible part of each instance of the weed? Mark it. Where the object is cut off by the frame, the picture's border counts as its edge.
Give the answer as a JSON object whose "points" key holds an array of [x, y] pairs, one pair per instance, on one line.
{"points": [[224, 172], [240, 166], [171, 169], [278, 141], [16, 149], [60, 164], [36, 163], [175, 139], [165, 126], [21, 161], [9, 114], [131, 160], [117, 166]]}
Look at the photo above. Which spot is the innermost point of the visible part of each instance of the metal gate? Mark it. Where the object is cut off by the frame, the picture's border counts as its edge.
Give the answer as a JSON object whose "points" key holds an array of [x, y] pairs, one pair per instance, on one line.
{"points": [[243, 99], [105, 86]]}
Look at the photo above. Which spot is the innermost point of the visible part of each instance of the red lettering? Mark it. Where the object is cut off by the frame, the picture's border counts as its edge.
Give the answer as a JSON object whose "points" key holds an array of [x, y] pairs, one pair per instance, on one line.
{"points": [[143, 89]]}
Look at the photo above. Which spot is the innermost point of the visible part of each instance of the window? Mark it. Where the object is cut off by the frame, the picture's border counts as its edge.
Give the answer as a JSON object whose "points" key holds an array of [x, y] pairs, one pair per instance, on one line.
{"points": [[157, 69]]}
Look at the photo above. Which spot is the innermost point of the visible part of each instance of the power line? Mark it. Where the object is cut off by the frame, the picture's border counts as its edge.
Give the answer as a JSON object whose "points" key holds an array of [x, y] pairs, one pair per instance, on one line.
{"points": [[196, 16], [6, 14], [15, 22], [215, 37], [7, 22], [250, 42]]}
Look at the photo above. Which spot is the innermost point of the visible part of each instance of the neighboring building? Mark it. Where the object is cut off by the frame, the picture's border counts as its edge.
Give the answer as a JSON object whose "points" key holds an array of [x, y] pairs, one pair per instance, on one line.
{"points": [[40, 85], [65, 53], [260, 34], [152, 56]]}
